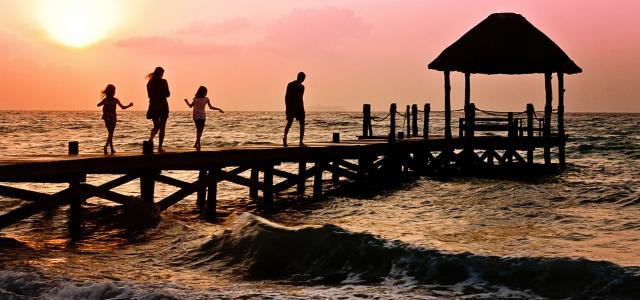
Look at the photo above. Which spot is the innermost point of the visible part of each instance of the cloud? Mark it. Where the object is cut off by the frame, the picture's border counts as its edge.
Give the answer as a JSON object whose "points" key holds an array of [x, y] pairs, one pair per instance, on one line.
{"points": [[314, 30], [168, 46], [220, 28]]}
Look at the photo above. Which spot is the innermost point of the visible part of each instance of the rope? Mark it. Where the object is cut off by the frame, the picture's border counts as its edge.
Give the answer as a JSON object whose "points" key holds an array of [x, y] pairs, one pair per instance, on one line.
{"points": [[378, 119], [401, 114]]}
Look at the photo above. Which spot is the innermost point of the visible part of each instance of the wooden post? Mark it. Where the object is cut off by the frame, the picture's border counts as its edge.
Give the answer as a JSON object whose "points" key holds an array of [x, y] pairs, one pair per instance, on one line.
{"points": [[512, 134], [364, 166], [74, 148], [547, 118], [392, 123], [202, 189], [366, 120], [425, 129], [414, 123], [302, 177], [147, 147], [317, 180], [407, 120], [336, 137], [561, 152], [212, 192], [75, 211], [253, 188], [267, 192], [470, 116], [530, 112], [447, 106], [467, 89], [335, 177]]}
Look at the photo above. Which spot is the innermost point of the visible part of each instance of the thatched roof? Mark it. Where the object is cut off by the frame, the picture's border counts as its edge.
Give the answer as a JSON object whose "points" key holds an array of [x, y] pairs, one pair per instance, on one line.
{"points": [[504, 43]]}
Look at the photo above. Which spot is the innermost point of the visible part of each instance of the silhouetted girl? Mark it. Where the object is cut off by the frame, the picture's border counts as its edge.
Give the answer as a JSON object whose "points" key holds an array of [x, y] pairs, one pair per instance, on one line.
{"points": [[199, 114], [158, 112], [108, 104]]}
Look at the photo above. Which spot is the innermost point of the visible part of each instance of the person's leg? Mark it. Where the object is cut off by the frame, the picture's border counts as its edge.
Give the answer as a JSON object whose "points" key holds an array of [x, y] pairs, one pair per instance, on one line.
{"points": [[286, 131], [301, 121], [199, 130], [163, 125], [154, 130], [106, 144], [112, 129]]}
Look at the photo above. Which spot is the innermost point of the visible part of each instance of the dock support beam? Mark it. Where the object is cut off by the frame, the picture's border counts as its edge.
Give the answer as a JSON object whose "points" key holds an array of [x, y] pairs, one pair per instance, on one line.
{"points": [[267, 192], [212, 192], [561, 152], [253, 188], [202, 189], [547, 118], [75, 210], [302, 177], [147, 186], [317, 179]]}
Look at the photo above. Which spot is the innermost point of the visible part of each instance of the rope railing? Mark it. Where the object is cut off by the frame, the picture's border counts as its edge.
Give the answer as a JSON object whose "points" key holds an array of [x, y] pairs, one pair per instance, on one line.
{"points": [[379, 119]]}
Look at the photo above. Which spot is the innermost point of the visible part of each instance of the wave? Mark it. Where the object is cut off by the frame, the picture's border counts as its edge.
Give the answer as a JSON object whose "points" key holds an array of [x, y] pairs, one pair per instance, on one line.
{"points": [[328, 254]]}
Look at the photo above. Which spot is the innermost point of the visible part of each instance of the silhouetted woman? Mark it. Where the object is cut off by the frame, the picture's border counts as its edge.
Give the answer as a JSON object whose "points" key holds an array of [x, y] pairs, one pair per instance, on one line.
{"points": [[108, 104], [158, 112]]}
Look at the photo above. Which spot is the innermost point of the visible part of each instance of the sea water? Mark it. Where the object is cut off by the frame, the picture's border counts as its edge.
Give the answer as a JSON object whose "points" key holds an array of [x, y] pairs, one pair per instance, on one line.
{"points": [[576, 234]]}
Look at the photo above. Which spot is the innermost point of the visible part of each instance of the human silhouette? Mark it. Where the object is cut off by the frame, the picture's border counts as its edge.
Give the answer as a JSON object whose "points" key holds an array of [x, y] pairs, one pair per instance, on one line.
{"points": [[294, 106], [109, 115], [199, 115], [158, 112]]}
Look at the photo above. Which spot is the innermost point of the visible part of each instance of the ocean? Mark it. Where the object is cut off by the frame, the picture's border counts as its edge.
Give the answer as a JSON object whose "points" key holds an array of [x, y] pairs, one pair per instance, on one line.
{"points": [[569, 235]]}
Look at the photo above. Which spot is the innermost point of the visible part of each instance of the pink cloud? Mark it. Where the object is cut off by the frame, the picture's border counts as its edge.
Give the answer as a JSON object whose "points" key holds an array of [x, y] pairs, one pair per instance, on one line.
{"points": [[220, 28], [312, 30], [167, 46]]}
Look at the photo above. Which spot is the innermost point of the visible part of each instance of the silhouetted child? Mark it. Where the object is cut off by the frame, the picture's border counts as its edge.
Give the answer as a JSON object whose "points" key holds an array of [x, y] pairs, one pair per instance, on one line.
{"points": [[108, 104], [199, 114]]}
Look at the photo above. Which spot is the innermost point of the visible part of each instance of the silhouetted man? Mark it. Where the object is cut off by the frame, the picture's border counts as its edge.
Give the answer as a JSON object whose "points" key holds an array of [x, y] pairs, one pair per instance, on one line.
{"points": [[295, 106]]}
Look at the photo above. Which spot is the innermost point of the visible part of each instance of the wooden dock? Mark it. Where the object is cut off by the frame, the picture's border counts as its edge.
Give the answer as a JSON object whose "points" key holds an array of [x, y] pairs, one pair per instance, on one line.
{"points": [[261, 168]]}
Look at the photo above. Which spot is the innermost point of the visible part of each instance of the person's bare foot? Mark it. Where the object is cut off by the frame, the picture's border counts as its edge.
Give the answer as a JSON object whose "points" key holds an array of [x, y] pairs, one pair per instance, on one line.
{"points": [[160, 150], [113, 151], [302, 144], [105, 150], [284, 142]]}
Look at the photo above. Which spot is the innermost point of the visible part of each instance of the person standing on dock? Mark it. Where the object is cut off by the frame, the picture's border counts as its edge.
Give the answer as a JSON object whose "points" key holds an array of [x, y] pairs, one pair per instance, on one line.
{"points": [[108, 103], [158, 112], [199, 115], [294, 106]]}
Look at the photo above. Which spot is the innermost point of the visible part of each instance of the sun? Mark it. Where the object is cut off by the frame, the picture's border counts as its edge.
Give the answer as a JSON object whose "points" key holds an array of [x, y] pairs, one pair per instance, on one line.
{"points": [[78, 23]]}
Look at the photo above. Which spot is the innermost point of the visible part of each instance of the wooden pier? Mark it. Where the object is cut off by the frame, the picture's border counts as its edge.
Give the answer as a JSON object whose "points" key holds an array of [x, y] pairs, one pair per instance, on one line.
{"points": [[260, 168]]}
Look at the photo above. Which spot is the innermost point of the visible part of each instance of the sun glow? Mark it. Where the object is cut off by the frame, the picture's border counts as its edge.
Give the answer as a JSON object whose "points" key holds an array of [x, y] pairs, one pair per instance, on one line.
{"points": [[78, 23]]}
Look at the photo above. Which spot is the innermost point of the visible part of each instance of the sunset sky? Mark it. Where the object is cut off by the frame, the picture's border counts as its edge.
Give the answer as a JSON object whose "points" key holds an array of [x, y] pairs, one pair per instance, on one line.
{"points": [[59, 54]]}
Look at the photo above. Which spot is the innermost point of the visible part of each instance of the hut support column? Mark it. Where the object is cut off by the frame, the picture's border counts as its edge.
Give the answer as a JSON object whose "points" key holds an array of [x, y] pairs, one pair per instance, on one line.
{"points": [[447, 106], [547, 118], [467, 89], [530, 112], [561, 153]]}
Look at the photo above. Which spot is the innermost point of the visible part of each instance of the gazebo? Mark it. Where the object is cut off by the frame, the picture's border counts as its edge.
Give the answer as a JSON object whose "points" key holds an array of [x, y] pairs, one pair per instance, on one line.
{"points": [[506, 43]]}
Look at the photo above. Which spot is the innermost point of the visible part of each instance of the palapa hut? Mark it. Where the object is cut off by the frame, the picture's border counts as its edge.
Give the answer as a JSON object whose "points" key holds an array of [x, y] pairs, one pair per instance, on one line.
{"points": [[506, 43]]}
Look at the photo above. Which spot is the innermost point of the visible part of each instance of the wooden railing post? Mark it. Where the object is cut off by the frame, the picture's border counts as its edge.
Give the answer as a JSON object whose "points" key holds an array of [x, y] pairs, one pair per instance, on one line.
{"points": [[392, 123], [511, 132], [447, 105], [425, 128], [470, 116], [407, 120], [530, 112], [74, 148], [366, 120], [414, 120]]}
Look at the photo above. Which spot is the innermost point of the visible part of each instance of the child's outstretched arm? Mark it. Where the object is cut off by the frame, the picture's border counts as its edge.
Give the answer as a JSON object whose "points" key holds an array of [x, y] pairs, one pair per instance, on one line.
{"points": [[187, 102], [122, 106], [213, 107], [101, 103]]}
